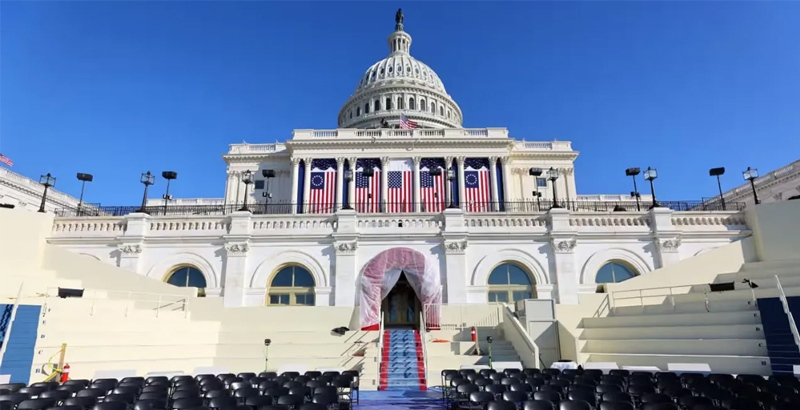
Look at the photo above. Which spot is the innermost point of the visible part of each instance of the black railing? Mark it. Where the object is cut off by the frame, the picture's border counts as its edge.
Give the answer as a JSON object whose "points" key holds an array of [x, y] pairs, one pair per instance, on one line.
{"points": [[287, 208]]}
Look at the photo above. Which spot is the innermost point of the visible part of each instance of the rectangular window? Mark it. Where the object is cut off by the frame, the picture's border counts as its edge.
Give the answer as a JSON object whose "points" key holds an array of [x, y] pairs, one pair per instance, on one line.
{"points": [[259, 184], [498, 297], [541, 182], [522, 296], [278, 299], [306, 300]]}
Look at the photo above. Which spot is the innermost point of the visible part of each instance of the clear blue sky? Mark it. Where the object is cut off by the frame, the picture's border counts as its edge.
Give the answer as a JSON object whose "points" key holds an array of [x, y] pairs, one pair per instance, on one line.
{"points": [[118, 88]]}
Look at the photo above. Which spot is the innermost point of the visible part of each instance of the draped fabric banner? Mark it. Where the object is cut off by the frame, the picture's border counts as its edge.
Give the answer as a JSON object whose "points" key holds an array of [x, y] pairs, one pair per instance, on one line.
{"points": [[477, 185], [400, 190], [381, 274], [322, 193], [368, 189], [432, 192]]}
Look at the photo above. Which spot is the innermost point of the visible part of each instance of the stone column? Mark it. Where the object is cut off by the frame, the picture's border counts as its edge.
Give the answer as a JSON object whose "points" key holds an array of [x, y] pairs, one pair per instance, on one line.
{"points": [[417, 196], [129, 256], [352, 190], [454, 245], [506, 180], [462, 193], [384, 182], [495, 207], [666, 238], [295, 183], [235, 274], [130, 247], [563, 243], [306, 184], [338, 199], [448, 185], [345, 271]]}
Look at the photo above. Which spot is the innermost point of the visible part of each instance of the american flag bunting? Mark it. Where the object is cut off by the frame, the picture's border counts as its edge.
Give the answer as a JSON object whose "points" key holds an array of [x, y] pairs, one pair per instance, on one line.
{"points": [[432, 192], [322, 193], [368, 189], [477, 185], [400, 190]]}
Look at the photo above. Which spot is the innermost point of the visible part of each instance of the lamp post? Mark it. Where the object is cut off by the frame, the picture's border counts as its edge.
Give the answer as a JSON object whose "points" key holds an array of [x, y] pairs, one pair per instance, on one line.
{"points": [[716, 172], [750, 174], [48, 181], [451, 175], [247, 179], [650, 175], [267, 342], [633, 172], [268, 174], [489, 340], [169, 176], [552, 175], [84, 178], [348, 177], [146, 179], [536, 173]]}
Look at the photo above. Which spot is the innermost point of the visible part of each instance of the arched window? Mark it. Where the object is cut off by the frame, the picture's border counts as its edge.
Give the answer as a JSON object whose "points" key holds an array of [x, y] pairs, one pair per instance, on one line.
{"points": [[377, 105], [509, 283], [441, 111], [411, 104], [187, 277], [388, 103], [366, 108], [422, 106], [615, 272], [358, 112], [433, 108], [292, 285]]}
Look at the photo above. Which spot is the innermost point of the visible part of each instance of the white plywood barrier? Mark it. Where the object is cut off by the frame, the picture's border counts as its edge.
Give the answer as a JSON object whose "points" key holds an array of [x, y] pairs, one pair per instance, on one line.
{"points": [[300, 368], [209, 370], [604, 366], [114, 374], [169, 374], [500, 366], [474, 366], [689, 368], [330, 369], [5, 378], [651, 369]]}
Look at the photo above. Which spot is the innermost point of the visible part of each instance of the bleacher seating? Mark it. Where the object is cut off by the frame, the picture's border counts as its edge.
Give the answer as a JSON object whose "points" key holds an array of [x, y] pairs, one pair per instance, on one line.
{"points": [[551, 389], [313, 390]]}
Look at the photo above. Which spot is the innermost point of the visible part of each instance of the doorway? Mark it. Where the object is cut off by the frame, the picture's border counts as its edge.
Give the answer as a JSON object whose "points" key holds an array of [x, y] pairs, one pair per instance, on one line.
{"points": [[402, 306]]}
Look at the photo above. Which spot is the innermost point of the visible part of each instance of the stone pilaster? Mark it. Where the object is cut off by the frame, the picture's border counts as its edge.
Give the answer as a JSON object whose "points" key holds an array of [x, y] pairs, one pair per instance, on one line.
{"points": [[129, 255], [234, 276], [345, 266], [563, 243], [666, 238], [130, 247], [454, 245]]}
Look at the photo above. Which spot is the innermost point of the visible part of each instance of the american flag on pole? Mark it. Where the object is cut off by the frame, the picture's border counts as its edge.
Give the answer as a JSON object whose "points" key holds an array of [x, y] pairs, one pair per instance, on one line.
{"points": [[407, 124], [477, 185], [322, 193], [6, 160], [368, 189], [432, 191], [400, 181]]}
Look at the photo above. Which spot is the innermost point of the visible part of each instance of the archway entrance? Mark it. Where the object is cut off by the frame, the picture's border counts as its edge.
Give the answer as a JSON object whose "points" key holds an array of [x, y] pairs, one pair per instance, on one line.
{"points": [[401, 307], [379, 280]]}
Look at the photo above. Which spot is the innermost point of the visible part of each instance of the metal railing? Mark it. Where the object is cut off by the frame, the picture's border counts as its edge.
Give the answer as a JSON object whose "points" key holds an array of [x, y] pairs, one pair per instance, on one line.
{"points": [[663, 292], [111, 302], [462, 316], [381, 328], [422, 338], [289, 207], [785, 303], [13, 317]]}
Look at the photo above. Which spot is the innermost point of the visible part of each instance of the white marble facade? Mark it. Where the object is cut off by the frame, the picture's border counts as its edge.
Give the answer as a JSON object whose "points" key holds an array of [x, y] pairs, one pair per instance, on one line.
{"points": [[239, 253]]}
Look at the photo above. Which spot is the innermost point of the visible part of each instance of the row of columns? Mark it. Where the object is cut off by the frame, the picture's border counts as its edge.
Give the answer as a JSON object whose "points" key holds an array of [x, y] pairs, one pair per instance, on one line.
{"points": [[460, 161]]}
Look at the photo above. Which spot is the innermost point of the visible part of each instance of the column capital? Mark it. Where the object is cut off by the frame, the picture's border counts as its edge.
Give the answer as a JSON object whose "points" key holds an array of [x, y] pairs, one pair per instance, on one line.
{"points": [[296, 161], [340, 162], [669, 245], [384, 161], [461, 160], [417, 161], [493, 160], [504, 160], [308, 160], [236, 249], [448, 161], [129, 250], [352, 161]]}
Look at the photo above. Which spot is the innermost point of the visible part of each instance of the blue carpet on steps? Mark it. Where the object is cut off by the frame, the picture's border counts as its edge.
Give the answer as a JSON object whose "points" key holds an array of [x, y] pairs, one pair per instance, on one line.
{"points": [[403, 365], [400, 399]]}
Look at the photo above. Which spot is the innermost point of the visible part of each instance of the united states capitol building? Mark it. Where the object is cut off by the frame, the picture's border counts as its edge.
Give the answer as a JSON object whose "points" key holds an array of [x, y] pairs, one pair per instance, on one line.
{"points": [[399, 203]]}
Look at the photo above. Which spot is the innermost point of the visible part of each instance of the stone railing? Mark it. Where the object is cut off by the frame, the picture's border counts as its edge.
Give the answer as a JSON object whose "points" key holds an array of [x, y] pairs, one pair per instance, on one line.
{"points": [[395, 226]]}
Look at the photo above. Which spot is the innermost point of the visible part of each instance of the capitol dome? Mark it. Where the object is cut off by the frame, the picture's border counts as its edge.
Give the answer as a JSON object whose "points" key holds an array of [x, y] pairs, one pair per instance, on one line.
{"points": [[400, 84]]}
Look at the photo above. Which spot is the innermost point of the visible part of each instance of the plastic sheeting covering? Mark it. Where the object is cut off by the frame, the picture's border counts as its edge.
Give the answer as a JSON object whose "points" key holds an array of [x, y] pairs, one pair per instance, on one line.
{"points": [[382, 273]]}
